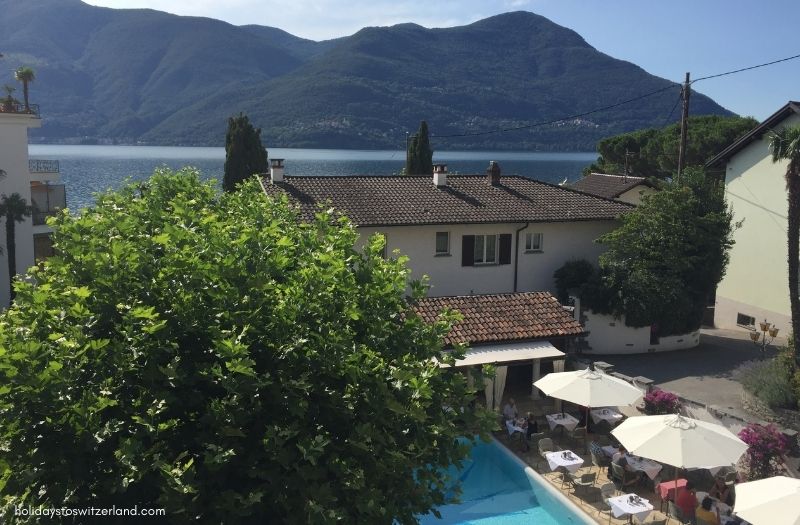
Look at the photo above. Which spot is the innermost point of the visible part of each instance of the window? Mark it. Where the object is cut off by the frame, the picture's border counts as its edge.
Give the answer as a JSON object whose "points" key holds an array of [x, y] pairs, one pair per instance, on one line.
{"points": [[745, 320], [485, 251], [42, 247], [533, 242], [442, 243]]}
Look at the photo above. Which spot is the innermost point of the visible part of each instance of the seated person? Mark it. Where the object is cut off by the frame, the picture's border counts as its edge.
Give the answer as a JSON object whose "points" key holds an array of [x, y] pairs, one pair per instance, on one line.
{"points": [[510, 410], [686, 500], [705, 513], [532, 425], [722, 492]]}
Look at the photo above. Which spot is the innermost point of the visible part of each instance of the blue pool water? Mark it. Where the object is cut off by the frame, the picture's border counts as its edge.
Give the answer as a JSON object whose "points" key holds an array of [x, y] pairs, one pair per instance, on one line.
{"points": [[497, 491]]}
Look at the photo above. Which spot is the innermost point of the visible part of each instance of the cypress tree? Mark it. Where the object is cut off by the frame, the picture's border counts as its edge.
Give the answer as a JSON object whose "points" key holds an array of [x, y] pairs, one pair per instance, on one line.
{"points": [[419, 157], [244, 153]]}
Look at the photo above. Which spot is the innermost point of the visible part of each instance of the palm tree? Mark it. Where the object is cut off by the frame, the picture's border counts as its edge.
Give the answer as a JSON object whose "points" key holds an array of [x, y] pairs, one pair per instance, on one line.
{"points": [[25, 75], [15, 209], [785, 145]]}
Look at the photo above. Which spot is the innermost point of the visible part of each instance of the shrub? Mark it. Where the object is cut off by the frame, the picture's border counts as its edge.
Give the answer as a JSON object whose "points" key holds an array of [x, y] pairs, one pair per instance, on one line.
{"points": [[770, 381], [766, 449], [661, 402]]}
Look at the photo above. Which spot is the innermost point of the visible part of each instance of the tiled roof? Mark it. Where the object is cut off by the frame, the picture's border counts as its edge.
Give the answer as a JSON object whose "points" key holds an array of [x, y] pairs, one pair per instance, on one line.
{"points": [[398, 200], [608, 186], [502, 317]]}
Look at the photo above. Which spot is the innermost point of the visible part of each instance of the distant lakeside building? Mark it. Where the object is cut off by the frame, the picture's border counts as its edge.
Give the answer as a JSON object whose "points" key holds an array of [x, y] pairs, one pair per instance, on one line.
{"points": [[756, 283], [36, 181]]}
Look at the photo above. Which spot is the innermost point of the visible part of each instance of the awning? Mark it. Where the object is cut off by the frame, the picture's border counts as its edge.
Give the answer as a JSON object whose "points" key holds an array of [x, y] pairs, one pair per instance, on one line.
{"points": [[508, 353]]}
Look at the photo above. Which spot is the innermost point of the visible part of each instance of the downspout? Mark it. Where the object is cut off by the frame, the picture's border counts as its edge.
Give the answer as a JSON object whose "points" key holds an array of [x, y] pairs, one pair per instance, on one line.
{"points": [[516, 254]]}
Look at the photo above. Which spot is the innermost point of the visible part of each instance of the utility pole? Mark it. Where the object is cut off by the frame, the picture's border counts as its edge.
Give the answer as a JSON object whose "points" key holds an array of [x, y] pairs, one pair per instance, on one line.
{"points": [[685, 94]]}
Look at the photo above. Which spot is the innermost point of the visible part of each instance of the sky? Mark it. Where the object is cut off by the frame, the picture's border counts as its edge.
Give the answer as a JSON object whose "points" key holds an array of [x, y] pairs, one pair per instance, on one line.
{"points": [[665, 38]]}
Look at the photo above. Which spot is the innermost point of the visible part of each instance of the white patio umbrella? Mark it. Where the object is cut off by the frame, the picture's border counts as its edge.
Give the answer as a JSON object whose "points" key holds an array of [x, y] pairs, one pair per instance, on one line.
{"points": [[589, 388], [680, 441], [771, 501]]}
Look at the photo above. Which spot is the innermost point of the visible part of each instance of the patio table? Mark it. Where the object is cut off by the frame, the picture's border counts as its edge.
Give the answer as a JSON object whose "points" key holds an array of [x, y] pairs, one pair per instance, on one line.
{"points": [[512, 426], [648, 466], [641, 508], [666, 489], [563, 419], [564, 458], [606, 414]]}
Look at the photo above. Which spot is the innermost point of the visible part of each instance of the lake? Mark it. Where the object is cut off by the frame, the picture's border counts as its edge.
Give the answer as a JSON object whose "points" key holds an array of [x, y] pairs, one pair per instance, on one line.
{"points": [[86, 170]]}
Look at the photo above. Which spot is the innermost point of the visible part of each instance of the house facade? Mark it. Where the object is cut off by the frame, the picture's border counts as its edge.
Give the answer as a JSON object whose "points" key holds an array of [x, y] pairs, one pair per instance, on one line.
{"points": [[35, 180], [756, 283]]}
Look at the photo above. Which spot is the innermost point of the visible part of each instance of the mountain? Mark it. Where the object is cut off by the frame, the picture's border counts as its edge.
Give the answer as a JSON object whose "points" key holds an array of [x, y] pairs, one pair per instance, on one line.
{"points": [[145, 76]]}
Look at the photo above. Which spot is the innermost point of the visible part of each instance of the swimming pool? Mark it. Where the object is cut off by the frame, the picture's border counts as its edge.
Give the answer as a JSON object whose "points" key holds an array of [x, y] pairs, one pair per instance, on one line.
{"points": [[499, 489]]}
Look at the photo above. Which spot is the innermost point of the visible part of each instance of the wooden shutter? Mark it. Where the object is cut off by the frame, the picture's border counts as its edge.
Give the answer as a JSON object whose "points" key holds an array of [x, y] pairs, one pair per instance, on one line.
{"points": [[467, 250], [505, 248]]}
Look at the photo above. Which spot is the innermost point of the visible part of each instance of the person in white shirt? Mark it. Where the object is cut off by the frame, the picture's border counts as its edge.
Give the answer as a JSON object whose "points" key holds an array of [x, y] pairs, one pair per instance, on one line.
{"points": [[510, 410]]}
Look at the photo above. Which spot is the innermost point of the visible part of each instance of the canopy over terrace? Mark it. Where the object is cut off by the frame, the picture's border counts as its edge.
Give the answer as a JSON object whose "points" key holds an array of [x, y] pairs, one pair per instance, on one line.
{"points": [[506, 329]]}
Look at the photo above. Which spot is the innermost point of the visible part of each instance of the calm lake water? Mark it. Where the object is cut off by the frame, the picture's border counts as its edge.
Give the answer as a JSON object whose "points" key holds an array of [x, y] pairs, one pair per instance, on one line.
{"points": [[86, 170]]}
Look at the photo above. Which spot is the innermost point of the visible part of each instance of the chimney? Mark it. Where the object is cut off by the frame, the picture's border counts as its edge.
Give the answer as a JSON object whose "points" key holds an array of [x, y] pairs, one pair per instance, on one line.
{"points": [[493, 173], [440, 175], [276, 170]]}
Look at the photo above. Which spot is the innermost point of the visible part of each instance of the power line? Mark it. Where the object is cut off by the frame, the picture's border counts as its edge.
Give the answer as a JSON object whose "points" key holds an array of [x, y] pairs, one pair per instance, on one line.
{"points": [[677, 101], [545, 123], [746, 68]]}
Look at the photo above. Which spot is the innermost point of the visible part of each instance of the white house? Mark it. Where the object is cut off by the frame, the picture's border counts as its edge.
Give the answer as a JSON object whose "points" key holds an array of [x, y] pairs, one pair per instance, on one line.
{"points": [[37, 181], [756, 284], [619, 187], [474, 235]]}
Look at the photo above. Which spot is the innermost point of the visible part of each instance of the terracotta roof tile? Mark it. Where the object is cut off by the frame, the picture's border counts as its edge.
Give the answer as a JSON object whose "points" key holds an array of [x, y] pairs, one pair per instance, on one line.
{"points": [[397, 200], [608, 186], [502, 317]]}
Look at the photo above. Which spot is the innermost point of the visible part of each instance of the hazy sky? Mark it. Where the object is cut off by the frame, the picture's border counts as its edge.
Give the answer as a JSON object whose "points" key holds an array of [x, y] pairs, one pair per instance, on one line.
{"points": [[666, 38]]}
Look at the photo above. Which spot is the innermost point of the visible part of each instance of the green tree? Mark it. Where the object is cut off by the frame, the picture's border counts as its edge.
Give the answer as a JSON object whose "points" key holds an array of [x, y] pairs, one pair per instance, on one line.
{"points": [[244, 153], [214, 356], [419, 157], [785, 146], [14, 208], [654, 152], [25, 75], [665, 260]]}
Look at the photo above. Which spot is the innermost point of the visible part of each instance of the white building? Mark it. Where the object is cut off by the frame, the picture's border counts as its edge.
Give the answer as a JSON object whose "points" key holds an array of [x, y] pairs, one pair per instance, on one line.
{"points": [[756, 284], [37, 181]]}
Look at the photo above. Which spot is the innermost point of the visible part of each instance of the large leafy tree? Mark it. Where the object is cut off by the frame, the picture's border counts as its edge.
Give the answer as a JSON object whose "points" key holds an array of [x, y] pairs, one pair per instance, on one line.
{"points": [[419, 157], [14, 209], [654, 152], [244, 153], [785, 146], [665, 260], [211, 355], [25, 75]]}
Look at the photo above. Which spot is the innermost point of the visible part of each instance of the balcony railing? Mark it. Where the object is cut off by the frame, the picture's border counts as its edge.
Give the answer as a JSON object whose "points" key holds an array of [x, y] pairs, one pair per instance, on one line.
{"points": [[18, 107], [43, 166], [47, 200]]}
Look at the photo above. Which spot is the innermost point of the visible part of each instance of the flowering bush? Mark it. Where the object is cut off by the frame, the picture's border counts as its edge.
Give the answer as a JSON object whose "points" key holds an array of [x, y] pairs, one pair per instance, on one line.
{"points": [[661, 402], [765, 451]]}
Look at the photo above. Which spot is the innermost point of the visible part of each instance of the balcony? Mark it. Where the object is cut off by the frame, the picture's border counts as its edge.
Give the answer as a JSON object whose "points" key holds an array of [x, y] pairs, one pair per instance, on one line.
{"points": [[18, 108], [47, 200], [43, 166]]}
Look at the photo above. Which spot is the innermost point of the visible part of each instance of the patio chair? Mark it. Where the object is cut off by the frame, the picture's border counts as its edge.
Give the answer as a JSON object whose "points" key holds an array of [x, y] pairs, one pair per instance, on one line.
{"points": [[676, 513], [600, 462], [584, 481], [622, 476], [536, 437], [578, 437], [545, 445], [608, 490], [653, 522], [729, 477]]}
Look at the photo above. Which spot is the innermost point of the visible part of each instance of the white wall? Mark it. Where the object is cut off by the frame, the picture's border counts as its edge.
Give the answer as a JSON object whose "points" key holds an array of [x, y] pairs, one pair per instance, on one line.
{"points": [[14, 161], [635, 194], [561, 242], [608, 335], [757, 274]]}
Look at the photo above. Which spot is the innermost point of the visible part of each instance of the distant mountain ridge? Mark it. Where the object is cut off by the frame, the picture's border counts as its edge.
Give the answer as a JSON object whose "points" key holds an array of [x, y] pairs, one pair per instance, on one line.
{"points": [[143, 76]]}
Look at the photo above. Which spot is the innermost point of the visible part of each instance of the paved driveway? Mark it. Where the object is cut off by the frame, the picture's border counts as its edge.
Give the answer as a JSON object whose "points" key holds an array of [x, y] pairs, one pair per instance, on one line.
{"points": [[702, 374]]}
